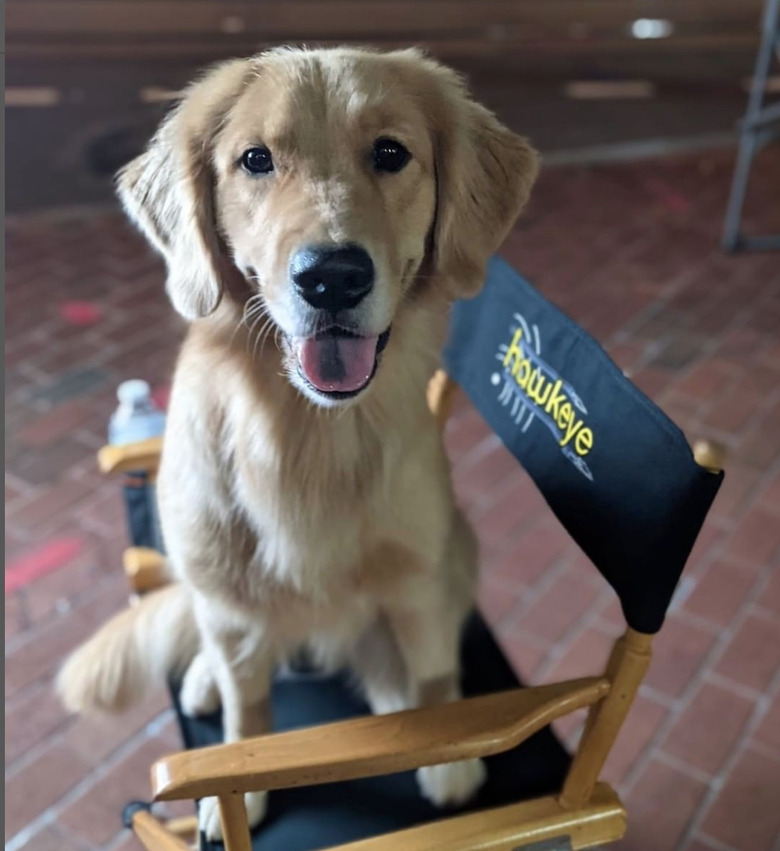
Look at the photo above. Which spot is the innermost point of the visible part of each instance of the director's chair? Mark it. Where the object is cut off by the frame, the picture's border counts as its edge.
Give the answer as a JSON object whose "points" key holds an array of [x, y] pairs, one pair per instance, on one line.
{"points": [[621, 478]]}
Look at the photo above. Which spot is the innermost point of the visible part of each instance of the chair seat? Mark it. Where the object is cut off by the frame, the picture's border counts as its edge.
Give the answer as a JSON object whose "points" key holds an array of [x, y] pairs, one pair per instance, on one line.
{"points": [[316, 817]]}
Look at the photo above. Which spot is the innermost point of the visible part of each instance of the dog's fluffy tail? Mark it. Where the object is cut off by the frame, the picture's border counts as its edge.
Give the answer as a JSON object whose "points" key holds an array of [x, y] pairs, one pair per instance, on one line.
{"points": [[133, 652]]}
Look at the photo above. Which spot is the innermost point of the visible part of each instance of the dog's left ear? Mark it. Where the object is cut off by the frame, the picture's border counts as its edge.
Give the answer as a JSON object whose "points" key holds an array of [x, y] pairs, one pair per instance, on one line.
{"points": [[168, 191], [484, 175]]}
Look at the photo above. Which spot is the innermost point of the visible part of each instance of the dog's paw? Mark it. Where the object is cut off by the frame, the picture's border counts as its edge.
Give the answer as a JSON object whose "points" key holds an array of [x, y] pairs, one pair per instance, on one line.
{"points": [[199, 693], [208, 814], [453, 783], [385, 702]]}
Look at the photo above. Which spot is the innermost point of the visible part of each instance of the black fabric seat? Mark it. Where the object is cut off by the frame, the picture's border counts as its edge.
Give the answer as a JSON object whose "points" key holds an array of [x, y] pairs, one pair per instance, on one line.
{"points": [[319, 816]]}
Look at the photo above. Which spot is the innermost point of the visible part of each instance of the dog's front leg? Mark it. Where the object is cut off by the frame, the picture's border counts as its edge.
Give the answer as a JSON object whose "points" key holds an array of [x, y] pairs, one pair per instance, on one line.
{"points": [[427, 630], [242, 664]]}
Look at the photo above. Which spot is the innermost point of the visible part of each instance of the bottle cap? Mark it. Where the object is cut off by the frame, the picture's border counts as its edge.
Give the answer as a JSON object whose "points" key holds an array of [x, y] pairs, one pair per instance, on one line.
{"points": [[134, 391]]}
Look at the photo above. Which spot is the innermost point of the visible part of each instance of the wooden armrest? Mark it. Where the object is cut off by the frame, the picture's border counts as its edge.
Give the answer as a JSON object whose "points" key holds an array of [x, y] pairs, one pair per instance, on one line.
{"points": [[143, 456], [145, 569], [365, 747]]}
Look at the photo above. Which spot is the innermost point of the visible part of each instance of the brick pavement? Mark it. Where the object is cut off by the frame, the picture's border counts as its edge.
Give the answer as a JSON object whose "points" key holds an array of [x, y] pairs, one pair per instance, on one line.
{"points": [[631, 252]]}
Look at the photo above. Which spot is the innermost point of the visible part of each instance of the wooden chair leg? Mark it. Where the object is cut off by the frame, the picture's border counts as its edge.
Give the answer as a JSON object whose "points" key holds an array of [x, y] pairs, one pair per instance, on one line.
{"points": [[235, 826], [626, 669]]}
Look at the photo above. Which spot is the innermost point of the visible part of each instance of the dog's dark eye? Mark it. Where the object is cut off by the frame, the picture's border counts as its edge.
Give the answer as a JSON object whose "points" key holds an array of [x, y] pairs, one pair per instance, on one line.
{"points": [[257, 161], [389, 155]]}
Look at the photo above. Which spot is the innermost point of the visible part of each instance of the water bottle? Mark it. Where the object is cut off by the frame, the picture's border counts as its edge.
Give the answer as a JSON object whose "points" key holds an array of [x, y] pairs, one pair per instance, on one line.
{"points": [[138, 418]]}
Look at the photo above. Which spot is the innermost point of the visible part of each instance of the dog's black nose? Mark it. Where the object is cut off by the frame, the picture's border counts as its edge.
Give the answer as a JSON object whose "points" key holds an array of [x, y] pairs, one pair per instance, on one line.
{"points": [[332, 277]]}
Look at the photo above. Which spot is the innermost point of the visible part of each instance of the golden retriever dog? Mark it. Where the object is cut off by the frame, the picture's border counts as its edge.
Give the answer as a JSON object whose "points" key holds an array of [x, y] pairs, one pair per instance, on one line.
{"points": [[318, 211]]}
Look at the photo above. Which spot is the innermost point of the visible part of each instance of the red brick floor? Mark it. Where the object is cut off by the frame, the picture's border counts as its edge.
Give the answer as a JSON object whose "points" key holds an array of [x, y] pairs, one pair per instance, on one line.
{"points": [[629, 250]]}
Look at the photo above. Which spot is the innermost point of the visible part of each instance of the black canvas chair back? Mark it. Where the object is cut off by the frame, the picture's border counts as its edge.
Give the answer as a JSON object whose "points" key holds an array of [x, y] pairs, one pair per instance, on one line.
{"points": [[617, 472]]}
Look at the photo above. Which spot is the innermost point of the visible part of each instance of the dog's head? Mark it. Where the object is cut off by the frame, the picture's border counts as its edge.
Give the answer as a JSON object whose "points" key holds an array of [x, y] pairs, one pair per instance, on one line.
{"points": [[320, 188]]}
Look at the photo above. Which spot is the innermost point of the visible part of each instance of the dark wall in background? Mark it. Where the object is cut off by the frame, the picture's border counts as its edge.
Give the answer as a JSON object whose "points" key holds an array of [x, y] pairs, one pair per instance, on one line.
{"points": [[88, 77]]}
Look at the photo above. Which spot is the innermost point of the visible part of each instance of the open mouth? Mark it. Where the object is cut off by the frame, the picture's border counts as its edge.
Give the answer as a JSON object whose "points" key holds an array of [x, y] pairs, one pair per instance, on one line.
{"points": [[337, 363]]}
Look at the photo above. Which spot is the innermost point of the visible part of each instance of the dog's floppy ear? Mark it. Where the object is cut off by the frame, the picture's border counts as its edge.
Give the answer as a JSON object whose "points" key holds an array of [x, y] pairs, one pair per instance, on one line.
{"points": [[484, 175], [168, 191]]}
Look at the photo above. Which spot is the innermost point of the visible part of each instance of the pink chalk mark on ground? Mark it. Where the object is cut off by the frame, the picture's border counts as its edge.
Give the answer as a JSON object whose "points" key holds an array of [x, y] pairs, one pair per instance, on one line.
{"points": [[40, 562], [670, 197], [81, 313]]}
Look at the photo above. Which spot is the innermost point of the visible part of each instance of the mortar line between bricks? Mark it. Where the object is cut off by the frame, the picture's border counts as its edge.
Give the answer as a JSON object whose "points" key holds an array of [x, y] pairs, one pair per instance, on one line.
{"points": [[484, 503], [500, 489], [763, 704], [727, 438], [722, 641], [711, 842], [68, 834], [489, 442], [99, 771], [738, 748], [30, 754], [690, 619], [46, 819], [14, 644], [757, 611], [750, 499], [116, 840], [685, 587], [763, 750], [19, 483], [55, 736], [661, 301], [559, 649], [742, 563], [530, 595], [708, 348], [657, 696], [679, 765], [528, 638], [593, 616], [715, 552], [727, 684], [769, 401]]}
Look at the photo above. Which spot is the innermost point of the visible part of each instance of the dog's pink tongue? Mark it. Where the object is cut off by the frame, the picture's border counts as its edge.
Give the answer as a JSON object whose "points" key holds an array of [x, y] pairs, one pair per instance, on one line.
{"points": [[337, 364]]}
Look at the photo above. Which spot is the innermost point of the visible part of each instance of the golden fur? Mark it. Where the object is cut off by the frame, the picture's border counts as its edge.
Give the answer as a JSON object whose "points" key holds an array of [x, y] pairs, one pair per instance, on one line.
{"points": [[290, 520]]}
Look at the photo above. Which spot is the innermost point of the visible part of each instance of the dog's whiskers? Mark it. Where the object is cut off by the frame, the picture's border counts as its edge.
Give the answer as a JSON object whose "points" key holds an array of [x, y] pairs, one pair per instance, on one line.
{"points": [[262, 335], [254, 308]]}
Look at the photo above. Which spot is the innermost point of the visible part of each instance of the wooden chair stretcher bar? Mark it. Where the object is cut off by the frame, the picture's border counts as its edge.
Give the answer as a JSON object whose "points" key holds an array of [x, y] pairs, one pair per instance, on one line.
{"points": [[511, 828]]}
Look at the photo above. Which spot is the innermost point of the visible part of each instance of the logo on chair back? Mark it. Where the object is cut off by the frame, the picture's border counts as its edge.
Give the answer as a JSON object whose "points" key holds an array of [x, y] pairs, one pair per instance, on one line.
{"points": [[534, 391]]}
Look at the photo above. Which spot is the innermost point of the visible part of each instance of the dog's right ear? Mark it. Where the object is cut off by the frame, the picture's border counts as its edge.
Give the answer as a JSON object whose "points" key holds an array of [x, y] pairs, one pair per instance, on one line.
{"points": [[168, 191]]}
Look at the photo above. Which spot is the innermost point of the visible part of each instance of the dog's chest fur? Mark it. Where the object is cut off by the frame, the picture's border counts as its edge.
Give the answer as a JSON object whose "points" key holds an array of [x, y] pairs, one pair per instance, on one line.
{"points": [[312, 518]]}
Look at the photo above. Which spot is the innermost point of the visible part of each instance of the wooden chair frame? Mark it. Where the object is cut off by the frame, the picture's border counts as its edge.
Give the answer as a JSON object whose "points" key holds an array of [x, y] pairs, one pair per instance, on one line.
{"points": [[587, 812]]}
